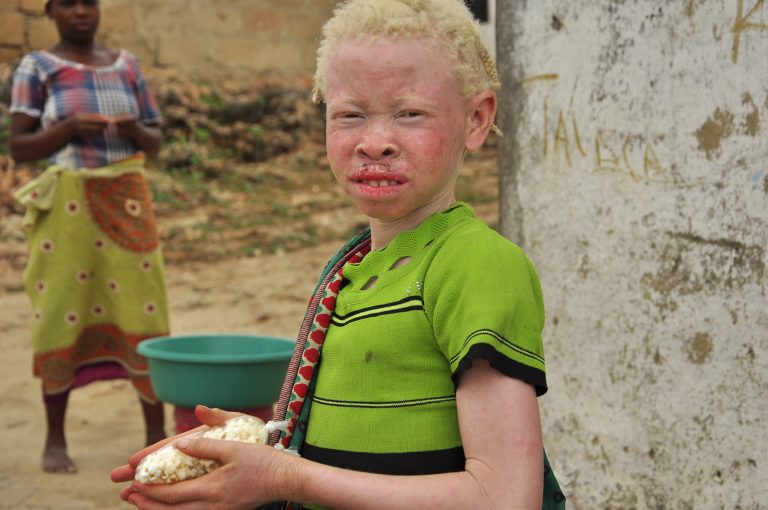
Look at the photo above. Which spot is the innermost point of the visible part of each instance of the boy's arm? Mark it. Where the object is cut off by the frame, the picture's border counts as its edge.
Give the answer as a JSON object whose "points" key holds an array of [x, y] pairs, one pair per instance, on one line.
{"points": [[501, 432], [499, 420], [500, 429]]}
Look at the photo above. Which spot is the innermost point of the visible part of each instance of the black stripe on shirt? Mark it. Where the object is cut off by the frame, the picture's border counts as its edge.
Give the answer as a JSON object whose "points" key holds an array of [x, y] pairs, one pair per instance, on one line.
{"points": [[502, 339], [503, 364], [368, 316], [408, 304], [382, 405], [410, 463], [385, 305]]}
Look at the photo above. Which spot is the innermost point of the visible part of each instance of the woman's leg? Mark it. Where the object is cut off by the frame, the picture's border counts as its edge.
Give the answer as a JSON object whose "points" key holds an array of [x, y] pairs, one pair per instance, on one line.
{"points": [[154, 421], [55, 456]]}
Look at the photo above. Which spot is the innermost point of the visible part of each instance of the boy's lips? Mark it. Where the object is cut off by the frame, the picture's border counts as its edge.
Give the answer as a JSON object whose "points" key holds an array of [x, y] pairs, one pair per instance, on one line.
{"points": [[378, 183], [377, 177], [377, 186]]}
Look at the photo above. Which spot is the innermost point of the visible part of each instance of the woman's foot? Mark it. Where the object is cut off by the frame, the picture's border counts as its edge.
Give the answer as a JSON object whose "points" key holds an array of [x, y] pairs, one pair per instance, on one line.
{"points": [[56, 460], [153, 436], [154, 421], [55, 457]]}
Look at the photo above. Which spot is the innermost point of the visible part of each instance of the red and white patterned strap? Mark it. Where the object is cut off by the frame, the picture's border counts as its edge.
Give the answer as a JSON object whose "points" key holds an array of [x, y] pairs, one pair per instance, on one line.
{"points": [[311, 353]]}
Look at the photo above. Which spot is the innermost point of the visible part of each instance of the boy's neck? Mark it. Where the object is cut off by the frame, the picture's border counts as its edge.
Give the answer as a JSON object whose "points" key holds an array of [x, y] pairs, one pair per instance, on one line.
{"points": [[383, 231]]}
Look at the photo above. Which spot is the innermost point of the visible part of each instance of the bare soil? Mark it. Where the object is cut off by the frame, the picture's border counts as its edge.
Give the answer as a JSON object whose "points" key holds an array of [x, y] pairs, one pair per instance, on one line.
{"points": [[240, 258]]}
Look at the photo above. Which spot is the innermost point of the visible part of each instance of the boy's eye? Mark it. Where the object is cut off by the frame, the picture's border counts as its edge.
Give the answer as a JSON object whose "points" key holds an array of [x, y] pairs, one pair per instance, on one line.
{"points": [[348, 116], [410, 115]]}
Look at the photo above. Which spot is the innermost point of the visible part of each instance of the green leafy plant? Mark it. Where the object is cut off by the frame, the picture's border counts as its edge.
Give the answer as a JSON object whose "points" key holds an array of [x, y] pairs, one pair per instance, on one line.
{"points": [[213, 100]]}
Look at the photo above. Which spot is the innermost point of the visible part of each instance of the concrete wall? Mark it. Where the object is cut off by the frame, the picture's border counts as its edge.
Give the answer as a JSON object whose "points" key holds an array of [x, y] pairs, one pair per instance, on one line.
{"points": [[204, 38], [635, 173]]}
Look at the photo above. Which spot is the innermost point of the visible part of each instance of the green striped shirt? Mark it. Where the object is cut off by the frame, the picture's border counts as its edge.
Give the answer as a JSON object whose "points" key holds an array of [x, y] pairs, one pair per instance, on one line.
{"points": [[409, 319]]}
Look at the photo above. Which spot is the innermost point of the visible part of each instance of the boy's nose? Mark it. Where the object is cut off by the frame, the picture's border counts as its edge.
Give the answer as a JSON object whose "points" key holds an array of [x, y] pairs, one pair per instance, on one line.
{"points": [[377, 144]]}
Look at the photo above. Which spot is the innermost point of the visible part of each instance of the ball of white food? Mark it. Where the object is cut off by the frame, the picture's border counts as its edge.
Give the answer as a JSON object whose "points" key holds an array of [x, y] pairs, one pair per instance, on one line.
{"points": [[168, 464]]}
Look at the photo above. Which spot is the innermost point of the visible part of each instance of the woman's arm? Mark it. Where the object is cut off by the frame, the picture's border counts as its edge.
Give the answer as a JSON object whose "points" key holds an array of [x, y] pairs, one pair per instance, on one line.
{"points": [[147, 138], [28, 143], [500, 428]]}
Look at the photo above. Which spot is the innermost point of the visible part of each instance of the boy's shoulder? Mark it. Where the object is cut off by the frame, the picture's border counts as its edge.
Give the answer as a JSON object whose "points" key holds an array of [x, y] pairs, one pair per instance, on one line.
{"points": [[474, 236], [472, 246]]}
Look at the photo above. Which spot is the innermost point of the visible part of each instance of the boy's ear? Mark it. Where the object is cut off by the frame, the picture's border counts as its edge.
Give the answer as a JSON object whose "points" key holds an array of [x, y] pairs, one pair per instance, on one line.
{"points": [[482, 111]]}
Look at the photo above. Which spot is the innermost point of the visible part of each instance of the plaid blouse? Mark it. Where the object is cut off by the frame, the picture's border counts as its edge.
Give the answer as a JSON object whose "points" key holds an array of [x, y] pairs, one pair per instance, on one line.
{"points": [[51, 88]]}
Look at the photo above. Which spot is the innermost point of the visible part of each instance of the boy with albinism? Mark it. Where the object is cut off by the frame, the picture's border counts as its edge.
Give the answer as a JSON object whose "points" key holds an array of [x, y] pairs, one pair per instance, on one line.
{"points": [[420, 359]]}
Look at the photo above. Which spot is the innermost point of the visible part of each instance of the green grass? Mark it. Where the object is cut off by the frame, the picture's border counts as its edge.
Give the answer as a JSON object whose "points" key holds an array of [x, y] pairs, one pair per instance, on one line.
{"points": [[213, 100], [5, 133], [202, 134], [257, 132]]}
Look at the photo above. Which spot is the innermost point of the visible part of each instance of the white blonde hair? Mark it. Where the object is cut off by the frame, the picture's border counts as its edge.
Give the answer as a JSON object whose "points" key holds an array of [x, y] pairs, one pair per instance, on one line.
{"points": [[445, 21]]}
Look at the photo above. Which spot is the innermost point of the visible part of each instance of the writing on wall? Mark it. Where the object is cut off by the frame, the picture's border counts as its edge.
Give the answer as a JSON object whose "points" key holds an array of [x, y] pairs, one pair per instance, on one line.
{"points": [[566, 144], [746, 21]]}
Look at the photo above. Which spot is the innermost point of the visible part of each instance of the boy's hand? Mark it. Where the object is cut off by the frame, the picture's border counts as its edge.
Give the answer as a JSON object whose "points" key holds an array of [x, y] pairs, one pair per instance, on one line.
{"points": [[250, 475], [209, 417]]}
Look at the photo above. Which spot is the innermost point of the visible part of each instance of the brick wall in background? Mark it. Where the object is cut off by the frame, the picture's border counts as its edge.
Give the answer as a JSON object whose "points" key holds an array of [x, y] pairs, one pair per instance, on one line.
{"points": [[204, 38]]}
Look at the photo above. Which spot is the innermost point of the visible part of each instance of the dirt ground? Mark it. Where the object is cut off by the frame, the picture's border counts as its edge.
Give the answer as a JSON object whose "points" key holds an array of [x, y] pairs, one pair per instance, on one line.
{"points": [[263, 292], [104, 425]]}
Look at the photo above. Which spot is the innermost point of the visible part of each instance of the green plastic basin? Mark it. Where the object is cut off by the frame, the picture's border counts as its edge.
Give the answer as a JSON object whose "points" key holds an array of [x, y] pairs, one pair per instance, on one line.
{"points": [[217, 370]]}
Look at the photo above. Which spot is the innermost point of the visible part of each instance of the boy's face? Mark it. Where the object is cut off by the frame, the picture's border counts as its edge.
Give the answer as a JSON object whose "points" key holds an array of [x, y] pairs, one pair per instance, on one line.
{"points": [[397, 126]]}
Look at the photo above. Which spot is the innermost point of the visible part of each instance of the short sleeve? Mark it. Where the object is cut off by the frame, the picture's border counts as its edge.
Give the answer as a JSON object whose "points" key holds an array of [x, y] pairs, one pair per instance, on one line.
{"points": [[28, 91], [149, 113], [484, 299]]}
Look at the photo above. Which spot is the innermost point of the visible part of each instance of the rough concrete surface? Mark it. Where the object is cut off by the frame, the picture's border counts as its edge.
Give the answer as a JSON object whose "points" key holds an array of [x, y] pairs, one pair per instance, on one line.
{"points": [[642, 184]]}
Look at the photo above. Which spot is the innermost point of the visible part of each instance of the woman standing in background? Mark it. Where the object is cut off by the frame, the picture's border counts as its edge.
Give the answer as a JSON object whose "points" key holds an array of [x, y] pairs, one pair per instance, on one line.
{"points": [[95, 271]]}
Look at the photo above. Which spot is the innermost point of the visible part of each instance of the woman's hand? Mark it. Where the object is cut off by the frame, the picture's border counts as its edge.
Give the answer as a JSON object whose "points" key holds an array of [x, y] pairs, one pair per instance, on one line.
{"points": [[28, 143], [148, 138], [126, 125], [87, 125]]}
